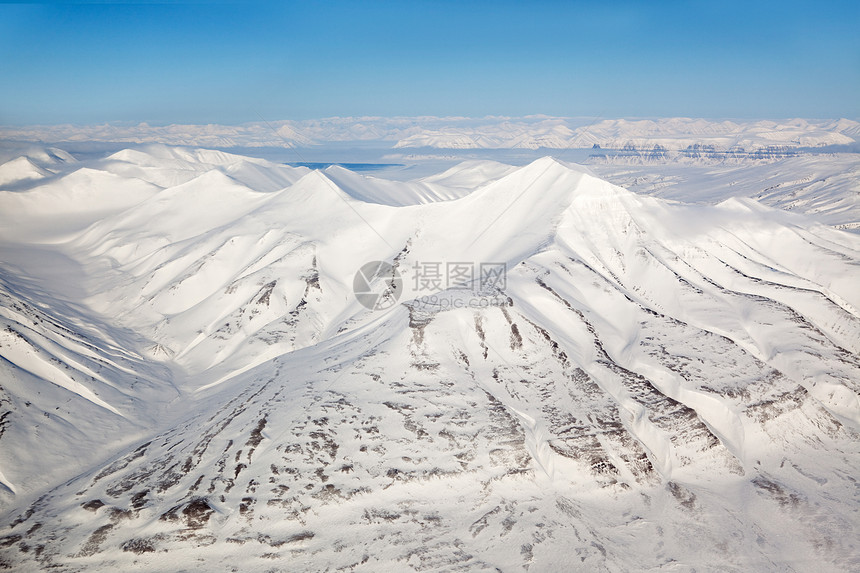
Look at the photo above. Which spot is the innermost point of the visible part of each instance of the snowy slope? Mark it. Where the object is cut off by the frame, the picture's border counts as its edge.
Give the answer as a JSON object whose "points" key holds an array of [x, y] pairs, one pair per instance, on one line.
{"points": [[169, 166], [826, 187], [656, 386], [394, 193], [469, 175], [20, 169], [73, 389], [35, 164]]}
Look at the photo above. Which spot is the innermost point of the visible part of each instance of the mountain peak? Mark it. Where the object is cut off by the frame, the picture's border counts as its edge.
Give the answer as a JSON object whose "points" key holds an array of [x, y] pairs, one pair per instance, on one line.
{"points": [[356, 373]]}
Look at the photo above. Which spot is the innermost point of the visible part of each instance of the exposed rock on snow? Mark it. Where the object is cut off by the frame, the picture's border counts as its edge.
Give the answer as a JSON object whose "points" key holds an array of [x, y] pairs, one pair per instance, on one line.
{"points": [[655, 385]]}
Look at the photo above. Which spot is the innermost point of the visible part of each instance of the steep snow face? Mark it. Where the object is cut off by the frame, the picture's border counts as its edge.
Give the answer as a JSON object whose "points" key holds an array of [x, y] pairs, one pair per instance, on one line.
{"points": [[72, 388], [652, 385]]}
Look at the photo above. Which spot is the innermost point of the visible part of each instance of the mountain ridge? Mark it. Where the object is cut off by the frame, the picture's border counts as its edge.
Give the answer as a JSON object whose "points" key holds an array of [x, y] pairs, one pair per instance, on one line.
{"points": [[529, 132], [654, 385]]}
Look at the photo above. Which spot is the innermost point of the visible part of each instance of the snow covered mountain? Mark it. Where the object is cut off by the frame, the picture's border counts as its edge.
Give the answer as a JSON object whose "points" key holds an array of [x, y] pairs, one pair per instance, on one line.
{"points": [[529, 132], [692, 136], [189, 381], [827, 187]]}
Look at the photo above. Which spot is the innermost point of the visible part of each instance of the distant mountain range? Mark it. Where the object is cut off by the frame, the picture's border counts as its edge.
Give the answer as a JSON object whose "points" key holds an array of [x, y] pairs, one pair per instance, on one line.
{"points": [[531, 132]]}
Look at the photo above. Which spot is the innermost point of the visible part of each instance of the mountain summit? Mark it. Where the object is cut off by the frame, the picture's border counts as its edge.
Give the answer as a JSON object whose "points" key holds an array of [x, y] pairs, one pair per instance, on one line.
{"points": [[572, 376]]}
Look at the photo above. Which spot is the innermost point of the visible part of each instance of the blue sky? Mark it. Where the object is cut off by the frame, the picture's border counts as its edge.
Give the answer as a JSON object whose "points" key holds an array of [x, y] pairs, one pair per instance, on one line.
{"points": [[224, 62]]}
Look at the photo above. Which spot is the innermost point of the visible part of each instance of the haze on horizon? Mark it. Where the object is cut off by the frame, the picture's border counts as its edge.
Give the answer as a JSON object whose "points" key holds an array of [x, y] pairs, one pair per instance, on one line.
{"points": [[196, 62]]}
